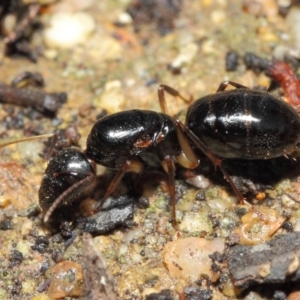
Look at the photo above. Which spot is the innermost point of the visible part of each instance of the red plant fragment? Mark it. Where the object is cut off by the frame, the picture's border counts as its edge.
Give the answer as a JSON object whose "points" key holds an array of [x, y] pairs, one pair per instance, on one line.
{"points": [[283, 74]]}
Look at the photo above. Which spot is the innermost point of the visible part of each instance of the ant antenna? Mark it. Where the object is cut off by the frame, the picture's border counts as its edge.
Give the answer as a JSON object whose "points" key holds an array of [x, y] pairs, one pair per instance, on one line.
{"points": [[67, 192], [4, 143]]}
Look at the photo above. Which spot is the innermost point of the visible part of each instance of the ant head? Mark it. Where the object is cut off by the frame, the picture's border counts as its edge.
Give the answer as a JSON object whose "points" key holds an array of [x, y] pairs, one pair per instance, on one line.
{"points": [[67, 174]]}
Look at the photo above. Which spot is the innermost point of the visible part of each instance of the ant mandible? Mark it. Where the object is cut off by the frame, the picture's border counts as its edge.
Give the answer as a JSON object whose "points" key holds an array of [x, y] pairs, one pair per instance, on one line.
{"points": [[234, 124]]}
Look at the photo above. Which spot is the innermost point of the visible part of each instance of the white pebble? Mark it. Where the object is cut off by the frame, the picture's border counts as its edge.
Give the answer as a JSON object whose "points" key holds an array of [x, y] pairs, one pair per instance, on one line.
{"points": [[189, 258], [112, 99], [287, 202], [132, 234], [187, 53], [297, 225], [195, 222], [219, 204], [125, 18], [123, 249], [67, 30], [198, 181], [293, 23], [136, 258]]}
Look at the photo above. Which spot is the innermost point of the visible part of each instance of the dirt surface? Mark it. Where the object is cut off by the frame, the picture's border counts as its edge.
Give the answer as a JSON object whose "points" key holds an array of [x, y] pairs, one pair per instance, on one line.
{"points": [[118, 66]]}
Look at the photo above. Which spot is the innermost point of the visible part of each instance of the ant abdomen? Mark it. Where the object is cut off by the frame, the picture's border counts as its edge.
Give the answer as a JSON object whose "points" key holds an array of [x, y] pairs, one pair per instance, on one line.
{"points": [[245, 124]]}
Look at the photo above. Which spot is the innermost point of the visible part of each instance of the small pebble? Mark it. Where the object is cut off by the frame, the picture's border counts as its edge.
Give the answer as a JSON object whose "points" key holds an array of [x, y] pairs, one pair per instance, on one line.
{"points": [[40, 297], [6, 225], [187, 53], [195, 222], [136, 258], [229, 290], [294, 295], [8, 24], [67, 30], [259, 8], [253, 296], [132, 234], [125, 18], [112, 99], [65, 280], [287, 202], [189, 258], [258, 226], [4, 201], [231, 61], [15, 257], [297, 225], [29, 286], [218, 16], [123, 249], [219, 204], [198, 181]]}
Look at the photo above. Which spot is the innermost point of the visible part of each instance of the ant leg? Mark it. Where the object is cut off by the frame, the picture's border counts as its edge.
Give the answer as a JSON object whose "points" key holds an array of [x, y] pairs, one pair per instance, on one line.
{"points": [[214, 158], [226, 83], [169, 167], [128, 166], [187, 158], [162, 88]]}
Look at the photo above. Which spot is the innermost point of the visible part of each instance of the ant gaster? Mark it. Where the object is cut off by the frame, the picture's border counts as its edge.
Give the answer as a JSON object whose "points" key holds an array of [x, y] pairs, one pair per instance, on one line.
{"points": [[235, 124]]}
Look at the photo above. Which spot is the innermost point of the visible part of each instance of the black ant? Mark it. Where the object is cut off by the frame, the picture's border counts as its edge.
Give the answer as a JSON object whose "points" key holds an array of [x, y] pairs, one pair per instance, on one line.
{"points": [[235, 124], [124, 141]]}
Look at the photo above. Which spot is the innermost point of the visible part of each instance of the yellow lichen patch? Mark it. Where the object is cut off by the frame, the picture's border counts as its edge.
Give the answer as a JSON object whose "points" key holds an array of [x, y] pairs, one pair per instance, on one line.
{"points": [[294, 265], [229, 290], [133, 278], [4, 201], [66, 280], [41, 297], [264, 270], [189, 258], [29, 286], [196, 222], [258, 226]]}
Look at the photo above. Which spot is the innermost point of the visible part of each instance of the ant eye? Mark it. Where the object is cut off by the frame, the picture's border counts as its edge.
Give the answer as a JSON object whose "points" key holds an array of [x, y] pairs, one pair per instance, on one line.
{"points": [[72, 179]]}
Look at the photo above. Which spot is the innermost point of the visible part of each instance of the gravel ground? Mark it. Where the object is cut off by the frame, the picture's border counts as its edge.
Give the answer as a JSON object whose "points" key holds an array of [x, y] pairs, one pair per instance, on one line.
{"points": [[116, 63]]}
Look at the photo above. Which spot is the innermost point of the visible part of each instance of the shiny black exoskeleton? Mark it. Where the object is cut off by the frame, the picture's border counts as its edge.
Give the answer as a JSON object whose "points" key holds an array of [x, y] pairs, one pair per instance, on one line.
{"points": [[63, 171], [140, 134], [245, 124], [242, 124], [238, 124], [125, 141]]}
